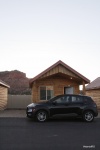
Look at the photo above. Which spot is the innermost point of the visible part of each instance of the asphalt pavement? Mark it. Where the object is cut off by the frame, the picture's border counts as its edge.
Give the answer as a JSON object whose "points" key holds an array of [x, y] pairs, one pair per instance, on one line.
{"points": [[59, 134], [17, 132]]}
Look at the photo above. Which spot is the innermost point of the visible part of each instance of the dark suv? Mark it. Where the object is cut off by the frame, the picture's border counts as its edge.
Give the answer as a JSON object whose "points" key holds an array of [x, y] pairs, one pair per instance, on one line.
{"points": [[81, 105]]}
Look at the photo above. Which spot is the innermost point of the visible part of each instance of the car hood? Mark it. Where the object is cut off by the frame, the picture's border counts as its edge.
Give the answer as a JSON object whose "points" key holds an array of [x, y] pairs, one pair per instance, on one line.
{"points": [[31, 105], [35, 104]]}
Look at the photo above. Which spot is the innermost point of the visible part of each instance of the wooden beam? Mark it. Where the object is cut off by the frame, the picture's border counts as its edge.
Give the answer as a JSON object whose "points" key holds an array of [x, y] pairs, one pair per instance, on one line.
{"points": [[84, 92]]}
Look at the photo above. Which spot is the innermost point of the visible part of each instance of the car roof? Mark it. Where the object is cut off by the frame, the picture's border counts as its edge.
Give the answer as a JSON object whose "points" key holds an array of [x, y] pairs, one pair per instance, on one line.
{"points": [[72, 95]]}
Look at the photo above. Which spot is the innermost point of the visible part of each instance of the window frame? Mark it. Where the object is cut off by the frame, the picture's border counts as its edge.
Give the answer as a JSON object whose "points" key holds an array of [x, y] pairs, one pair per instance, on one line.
{"points": [[48, 86]]}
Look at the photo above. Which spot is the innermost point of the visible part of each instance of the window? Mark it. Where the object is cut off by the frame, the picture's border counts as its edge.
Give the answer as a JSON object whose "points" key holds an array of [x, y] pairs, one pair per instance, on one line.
{"points": [[68, 99], [76, 99], [46, 92], [87, 99], [63, 99], [60, 100], [68, 90]]}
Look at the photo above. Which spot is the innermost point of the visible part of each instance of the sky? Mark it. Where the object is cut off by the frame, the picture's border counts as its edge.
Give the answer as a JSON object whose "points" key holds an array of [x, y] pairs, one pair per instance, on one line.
{"points": [[35, 34]]}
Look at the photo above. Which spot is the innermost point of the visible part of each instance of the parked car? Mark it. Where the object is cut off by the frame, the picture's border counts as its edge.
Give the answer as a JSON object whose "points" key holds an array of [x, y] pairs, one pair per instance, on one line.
{"points": [[83, 106]]}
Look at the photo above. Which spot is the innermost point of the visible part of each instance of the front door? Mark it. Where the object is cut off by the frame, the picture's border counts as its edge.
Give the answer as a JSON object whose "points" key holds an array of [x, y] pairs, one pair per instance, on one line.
{"points": [[68, 90]]}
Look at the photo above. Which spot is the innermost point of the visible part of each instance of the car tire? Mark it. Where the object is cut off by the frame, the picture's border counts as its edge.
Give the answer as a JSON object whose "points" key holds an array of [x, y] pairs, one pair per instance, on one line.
{"points": [[41, 116], [88, 116]]}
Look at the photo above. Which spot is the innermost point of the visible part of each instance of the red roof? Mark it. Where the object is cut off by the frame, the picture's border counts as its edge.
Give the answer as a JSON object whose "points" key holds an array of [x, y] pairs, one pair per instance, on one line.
{"points": [[54, 65]]}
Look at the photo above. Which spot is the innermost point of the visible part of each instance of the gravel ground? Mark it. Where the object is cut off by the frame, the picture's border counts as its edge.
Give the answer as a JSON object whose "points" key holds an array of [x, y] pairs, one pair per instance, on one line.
{"points": [[18, 113]]}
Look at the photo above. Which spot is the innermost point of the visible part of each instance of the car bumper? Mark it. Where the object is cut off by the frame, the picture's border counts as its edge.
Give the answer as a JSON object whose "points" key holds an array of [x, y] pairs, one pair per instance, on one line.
{"points": [[95, 112], [30, 113]]}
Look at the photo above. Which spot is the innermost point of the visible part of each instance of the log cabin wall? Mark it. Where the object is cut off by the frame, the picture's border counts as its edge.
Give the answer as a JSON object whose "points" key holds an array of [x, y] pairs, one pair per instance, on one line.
{"points": [[58, 84], [3, 97], [95, 94]]}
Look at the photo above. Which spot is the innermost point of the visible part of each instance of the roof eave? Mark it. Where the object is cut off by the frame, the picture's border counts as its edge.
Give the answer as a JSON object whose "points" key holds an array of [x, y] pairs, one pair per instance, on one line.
{"points": [[4, 84], [58, 63], [93, 88]]}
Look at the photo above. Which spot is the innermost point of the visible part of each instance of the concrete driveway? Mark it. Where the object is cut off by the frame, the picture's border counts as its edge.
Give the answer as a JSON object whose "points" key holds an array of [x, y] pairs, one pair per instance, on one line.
{"points": [[13, 113]]}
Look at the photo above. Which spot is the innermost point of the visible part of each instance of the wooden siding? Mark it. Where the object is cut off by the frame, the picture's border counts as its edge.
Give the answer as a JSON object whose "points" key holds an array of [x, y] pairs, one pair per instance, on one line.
{"points": [[3, 97], [58, 84], [95, 94], [59, 69]]}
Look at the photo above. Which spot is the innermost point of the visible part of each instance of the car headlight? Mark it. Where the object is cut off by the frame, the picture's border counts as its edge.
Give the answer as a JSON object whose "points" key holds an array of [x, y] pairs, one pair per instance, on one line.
{"points": [[29, 110]]}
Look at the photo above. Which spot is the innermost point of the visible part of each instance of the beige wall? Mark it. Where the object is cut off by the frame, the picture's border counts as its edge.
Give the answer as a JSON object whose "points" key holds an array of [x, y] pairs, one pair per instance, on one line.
{"points": [[58, 86], [3, 97], [95, 94], [18, 101]]}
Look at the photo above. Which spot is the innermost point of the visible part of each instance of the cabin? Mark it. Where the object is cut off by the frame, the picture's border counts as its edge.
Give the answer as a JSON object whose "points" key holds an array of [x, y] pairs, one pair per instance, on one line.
{"points": [[3, 95], [93, 90], [55, 80]]}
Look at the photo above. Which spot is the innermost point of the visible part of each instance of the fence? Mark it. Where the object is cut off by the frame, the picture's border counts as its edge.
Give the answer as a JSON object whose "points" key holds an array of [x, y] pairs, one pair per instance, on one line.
{"points": [[18, 101]]}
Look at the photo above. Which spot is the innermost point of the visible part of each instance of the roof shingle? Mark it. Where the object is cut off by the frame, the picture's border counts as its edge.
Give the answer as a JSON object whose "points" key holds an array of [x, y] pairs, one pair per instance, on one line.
{"points": [[94, 84]]}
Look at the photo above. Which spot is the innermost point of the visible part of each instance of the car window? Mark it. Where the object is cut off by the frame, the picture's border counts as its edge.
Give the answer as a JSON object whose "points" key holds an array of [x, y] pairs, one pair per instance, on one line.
{"points": [[76, 99], [88, 99], [68, 99], [63, 99], [58, 100]]}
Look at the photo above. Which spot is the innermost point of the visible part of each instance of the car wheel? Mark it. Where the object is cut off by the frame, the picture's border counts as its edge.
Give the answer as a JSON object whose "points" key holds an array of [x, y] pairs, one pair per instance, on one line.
{"points": [[88, 116], [41, 116]]}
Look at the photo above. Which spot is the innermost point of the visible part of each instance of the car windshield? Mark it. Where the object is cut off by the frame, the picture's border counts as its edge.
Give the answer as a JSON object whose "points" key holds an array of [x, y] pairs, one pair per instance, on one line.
{"points": [[53, 98]]}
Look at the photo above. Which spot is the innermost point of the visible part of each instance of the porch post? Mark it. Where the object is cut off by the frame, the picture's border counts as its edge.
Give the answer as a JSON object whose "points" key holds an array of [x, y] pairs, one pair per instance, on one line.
{"points": [[84, 88]]}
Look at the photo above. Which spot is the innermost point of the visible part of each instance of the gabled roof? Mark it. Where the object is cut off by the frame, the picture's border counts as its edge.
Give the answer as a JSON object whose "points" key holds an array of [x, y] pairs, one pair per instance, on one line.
{"points": [[53, 66], [4, 84], [94, 84]]}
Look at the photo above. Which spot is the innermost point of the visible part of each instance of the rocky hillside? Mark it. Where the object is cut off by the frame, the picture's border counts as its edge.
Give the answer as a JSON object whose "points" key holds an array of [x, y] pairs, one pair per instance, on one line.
{"points": [[19, 83]]}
